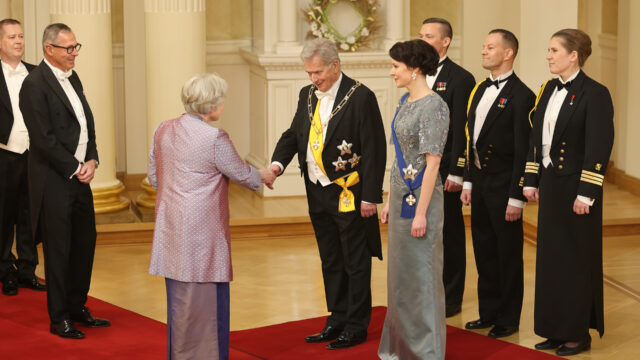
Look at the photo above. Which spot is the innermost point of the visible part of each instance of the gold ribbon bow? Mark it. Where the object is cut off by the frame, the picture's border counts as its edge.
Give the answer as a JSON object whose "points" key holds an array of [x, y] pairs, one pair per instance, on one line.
{"points": [[347, 199]]}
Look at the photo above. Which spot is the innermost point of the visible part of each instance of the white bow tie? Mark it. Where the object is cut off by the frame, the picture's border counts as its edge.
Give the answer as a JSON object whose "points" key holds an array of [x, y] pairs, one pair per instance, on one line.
{"points": [[323, 95], [63, 75], [18, 71]]}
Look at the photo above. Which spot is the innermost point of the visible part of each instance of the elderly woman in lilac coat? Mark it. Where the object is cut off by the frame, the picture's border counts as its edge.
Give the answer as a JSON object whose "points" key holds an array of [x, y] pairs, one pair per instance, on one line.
{"points": [[190, 165]]}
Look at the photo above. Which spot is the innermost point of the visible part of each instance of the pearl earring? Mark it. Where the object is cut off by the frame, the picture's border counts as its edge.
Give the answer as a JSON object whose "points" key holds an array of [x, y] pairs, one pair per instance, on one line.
{"points": [[413, 76]]}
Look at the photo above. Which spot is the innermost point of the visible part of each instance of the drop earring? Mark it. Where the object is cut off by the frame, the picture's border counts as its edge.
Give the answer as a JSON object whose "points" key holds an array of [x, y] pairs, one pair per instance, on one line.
{"points": [[413, 76]]}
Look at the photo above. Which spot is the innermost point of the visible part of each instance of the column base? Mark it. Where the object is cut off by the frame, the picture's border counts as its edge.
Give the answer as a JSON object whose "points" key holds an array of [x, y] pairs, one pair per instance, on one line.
{"points": [[148, 198], [108, 199]]}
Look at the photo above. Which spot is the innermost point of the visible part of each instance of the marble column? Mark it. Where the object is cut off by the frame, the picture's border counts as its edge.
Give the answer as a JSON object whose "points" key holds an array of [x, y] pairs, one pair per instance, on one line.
{"points": [[288, 27], [175, 51], [395, 21], [90, 21]]}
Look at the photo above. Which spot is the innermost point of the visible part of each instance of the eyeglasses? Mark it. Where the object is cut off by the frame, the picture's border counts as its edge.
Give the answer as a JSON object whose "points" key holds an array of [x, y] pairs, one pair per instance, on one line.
{"points": [[69, 49]]}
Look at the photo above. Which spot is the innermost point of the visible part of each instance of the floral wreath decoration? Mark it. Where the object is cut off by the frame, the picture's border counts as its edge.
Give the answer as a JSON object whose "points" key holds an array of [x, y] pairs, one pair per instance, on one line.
{"points": [[317, 15]]}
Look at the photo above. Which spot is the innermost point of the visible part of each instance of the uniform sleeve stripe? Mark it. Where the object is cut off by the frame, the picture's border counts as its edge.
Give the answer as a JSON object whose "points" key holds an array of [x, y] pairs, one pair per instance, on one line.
{"points": [[531, 171], [592, 178], [591, 181], [589, 173]]}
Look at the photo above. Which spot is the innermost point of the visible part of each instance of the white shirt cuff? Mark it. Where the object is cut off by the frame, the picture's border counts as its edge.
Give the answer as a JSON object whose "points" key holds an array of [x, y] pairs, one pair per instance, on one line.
{"points": [[517, 203], [587, 200], [455, 179], [468, 185], [77, 171], [529, 188], [278, 164]]}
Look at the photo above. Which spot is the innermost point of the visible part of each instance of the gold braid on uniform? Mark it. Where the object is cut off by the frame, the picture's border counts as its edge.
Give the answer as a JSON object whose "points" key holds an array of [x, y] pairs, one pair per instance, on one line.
{"points": [[592, 178], [532, 166], [537, 100], [466, 126]]}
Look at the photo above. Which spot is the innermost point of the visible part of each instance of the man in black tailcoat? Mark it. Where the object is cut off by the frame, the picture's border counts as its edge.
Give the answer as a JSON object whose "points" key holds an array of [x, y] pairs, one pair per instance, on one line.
{"points": [[14, 152], [62, 161], [338, 135]]}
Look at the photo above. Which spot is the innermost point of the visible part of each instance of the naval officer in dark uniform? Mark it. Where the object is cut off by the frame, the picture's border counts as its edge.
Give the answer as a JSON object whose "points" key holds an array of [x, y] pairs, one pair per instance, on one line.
{"points": [[453, 84], [498, 128], [571, 142]]}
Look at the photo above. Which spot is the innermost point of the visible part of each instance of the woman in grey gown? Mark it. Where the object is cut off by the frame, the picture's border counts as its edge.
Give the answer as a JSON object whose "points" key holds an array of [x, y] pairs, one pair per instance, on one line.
{"points": [[415, 327]]}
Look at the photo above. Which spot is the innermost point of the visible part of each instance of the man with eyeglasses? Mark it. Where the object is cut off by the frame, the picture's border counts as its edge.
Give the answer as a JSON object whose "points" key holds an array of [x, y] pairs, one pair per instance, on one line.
{"points": [[14, 151], [62, 162]]}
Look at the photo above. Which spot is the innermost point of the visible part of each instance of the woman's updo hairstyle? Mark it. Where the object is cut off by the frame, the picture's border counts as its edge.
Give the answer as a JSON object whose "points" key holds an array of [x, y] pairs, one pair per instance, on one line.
{"points": [[575, 40], [416, 54]]}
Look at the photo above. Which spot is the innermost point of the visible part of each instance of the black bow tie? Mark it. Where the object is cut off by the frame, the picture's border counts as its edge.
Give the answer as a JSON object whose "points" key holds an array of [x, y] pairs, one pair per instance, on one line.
{"points": [[566, 85], [495, 82]]}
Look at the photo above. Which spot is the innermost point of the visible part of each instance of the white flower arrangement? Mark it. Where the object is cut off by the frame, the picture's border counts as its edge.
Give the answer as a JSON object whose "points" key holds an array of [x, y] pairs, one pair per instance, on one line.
{"points": [[321, 27]]}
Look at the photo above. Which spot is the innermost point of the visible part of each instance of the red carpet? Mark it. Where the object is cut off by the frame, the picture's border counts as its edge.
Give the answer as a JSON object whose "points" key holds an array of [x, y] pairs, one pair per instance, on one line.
{"points": [[24, 334], [286, 341]]}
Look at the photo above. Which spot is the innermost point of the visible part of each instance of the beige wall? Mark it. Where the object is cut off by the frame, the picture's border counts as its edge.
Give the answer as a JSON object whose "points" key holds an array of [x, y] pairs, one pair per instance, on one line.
{"points": [[228, 19], [446, 9], [503, 14]]}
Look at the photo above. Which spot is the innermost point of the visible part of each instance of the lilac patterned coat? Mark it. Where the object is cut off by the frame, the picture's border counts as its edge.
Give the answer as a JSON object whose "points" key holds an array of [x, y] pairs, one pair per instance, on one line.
{"points": [[190, 165]]}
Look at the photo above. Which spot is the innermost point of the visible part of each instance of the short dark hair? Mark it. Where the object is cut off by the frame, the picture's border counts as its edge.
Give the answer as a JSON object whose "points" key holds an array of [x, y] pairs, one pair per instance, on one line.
{"points": [[416, 54], [7, 21], [51, 33], [445, 26], [575, 40], [510, 40]]}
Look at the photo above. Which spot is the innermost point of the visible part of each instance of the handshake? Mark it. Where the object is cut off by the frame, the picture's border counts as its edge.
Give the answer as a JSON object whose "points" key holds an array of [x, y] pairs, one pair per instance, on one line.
{"points": [[269, 175]]}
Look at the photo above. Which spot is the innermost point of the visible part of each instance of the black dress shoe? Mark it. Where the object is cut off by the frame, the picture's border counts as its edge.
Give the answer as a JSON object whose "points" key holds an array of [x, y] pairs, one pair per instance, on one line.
{"points": [[10, 285], [453, 310], [549, 344], [478, 324], [584, 345], [66, 330], [32, 283], [499, 331], [84, 317], [327, 334], [347, 339]]}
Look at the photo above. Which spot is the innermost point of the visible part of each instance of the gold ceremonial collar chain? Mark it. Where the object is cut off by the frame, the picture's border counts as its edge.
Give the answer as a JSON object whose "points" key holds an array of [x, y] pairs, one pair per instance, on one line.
{"points": [[340, 105]]}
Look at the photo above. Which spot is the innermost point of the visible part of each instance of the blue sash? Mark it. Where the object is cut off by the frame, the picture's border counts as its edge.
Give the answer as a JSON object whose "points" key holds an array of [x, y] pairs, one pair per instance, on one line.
{"points": [[409, 201]]}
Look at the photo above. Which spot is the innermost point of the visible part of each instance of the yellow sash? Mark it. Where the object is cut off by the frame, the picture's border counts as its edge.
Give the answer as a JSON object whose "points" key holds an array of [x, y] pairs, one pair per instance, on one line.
{"points": [[347, 199], [537, 100], [466, 126]]}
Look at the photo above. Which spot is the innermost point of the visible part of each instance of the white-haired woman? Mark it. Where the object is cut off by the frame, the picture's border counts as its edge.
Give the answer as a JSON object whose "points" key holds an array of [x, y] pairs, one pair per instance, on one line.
{"points": [[190, 165]]}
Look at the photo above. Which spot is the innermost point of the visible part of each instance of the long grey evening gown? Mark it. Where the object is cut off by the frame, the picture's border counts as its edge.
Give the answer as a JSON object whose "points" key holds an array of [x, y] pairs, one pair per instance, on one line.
{"points": [[415, 327]]}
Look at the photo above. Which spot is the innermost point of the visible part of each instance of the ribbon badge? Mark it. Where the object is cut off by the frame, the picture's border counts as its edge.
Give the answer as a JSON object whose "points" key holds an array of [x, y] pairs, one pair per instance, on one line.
{"points": [[572, 98], [441, 86], [502, 103]]}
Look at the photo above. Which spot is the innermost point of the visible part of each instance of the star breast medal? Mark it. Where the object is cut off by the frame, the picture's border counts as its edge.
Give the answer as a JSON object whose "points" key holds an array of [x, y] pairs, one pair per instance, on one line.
{"points": [[345, 147], [355, 160], [410, 172], [340, 164]]}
